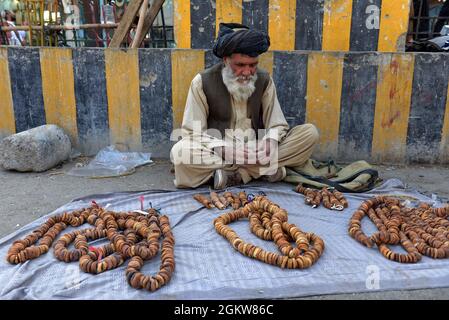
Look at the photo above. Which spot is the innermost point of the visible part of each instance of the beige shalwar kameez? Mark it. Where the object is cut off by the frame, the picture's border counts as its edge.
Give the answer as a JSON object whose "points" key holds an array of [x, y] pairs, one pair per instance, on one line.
{"points": [[294, 149]]}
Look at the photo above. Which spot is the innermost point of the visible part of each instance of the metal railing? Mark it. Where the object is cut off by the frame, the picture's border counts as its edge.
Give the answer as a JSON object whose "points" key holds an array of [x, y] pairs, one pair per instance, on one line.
{"points": [[429, 22], [52, 32]]}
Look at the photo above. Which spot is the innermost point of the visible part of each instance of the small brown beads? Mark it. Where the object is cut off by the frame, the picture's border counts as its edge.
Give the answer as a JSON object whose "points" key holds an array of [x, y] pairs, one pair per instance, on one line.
{"points": [[138, 241], [332, 200], [420, 231], [269, 222]]}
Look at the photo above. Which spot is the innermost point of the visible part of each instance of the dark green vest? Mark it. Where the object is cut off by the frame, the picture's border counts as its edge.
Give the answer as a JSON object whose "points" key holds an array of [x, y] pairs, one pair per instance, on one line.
{"points": [[219, 99]]}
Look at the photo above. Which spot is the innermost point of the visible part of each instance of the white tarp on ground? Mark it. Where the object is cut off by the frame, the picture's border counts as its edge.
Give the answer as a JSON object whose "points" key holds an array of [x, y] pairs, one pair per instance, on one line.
{"points": [[207, 267]]}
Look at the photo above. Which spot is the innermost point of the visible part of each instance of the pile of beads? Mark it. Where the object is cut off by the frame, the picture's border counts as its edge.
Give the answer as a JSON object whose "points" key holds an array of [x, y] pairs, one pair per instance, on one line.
{"points": [[270, 222], [133, 235], [420, 231]]}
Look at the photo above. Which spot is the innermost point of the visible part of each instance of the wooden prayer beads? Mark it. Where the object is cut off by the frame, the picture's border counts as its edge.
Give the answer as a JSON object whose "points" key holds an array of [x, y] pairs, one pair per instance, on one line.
{"points": [[332, 200], [420, 231], [243, 198], [270, 222], [216, 201], [222, 201], [236, 203], [138, 241], [203, 200], [230, 200]]}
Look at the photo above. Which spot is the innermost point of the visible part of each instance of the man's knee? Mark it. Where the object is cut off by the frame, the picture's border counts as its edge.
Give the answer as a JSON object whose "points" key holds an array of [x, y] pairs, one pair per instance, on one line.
{"points": [[183, 152], [176, 153], [312, 133], [307, 132]]}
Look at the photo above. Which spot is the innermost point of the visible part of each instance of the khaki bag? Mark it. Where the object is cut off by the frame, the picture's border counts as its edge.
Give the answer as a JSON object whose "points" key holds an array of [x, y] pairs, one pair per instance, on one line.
{"points": [[356, 177]]}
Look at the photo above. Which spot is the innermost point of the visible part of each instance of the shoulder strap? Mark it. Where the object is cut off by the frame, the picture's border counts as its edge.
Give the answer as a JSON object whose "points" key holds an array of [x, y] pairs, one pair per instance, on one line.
{"points": [[338, 184]]}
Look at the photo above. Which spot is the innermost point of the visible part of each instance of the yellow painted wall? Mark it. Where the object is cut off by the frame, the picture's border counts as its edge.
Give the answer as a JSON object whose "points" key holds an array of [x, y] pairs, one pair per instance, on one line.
{"points": [[185, 65], [59, 89], [337, 25], [444, 146], [228, 11], [181, 20], [281, 24], [394, 91], [324, 86], [7, 120], [122, 83], [266, 61], [394, 23]]}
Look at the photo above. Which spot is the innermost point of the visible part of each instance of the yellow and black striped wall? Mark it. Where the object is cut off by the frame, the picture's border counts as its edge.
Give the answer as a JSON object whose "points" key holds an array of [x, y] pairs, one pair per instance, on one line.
{"points": [[328, 25], [382, 107]]}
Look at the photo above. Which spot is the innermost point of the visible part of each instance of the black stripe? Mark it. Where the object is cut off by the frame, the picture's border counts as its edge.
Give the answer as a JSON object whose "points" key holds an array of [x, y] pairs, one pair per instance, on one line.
{"points": [[358, 104], [156, 100], [91, 99], [255, 14], [428, 105], [26, 87], [364, 29], [291, 84], [309, 24], [202, 27]]}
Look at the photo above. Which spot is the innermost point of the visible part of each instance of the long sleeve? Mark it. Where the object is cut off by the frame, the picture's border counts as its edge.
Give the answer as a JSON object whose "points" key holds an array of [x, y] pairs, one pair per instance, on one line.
{"points": [[273, 117], [194, 123]]}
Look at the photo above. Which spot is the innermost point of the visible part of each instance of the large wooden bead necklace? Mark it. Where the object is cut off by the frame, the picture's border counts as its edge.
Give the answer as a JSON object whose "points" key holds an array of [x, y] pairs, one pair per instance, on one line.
{"points": [[132, 235], [270, 222], [420, 231]]}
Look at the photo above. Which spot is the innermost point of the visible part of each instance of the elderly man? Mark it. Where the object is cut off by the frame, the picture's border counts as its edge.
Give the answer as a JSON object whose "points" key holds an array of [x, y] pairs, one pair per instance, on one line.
{"points": [[233, 128]]}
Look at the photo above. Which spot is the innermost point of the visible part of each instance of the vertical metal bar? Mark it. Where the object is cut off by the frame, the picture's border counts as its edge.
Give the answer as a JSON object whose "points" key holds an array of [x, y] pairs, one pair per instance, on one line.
{"points": [[102, 15], [95, 30], [27, 6], [419, 19], [3, 37], [75, 37], [61, 13], [164, 31], [41, 12], [50, 33]]}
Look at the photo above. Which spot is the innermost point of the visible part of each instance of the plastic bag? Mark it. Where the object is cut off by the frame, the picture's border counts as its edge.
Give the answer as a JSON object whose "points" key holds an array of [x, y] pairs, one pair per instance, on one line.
{"points": [[110, 162]]}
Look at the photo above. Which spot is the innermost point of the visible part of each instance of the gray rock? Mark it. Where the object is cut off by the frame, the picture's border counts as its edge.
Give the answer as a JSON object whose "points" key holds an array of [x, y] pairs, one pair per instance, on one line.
{"points": [[37, 149]]}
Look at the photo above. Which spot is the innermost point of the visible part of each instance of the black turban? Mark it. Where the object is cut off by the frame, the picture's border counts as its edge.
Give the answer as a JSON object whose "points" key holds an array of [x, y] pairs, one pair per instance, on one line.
{"points": [[238, 38]]}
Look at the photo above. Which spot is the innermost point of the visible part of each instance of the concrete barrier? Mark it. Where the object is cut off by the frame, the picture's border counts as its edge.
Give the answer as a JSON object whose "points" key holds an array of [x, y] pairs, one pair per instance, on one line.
{"points": [[328, 25], [381, 107]]}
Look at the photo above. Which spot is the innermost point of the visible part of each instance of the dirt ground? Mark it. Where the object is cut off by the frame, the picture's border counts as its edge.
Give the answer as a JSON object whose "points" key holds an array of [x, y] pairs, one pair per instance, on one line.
{"points": [[28, 196]]}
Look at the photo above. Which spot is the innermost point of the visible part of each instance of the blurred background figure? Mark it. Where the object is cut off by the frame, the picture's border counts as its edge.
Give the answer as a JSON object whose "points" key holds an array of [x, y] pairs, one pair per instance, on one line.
{"points": [[16, 37], [443, 18]]}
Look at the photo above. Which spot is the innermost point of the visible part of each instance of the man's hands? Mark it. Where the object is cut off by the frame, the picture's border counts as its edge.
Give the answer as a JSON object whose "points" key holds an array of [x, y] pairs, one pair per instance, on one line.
{"points": [[267, 152], [247, 154]]}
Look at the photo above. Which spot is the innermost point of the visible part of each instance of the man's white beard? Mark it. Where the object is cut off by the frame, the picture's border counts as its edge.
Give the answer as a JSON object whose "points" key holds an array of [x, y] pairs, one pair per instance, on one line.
{"points": [[240, 91]]}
